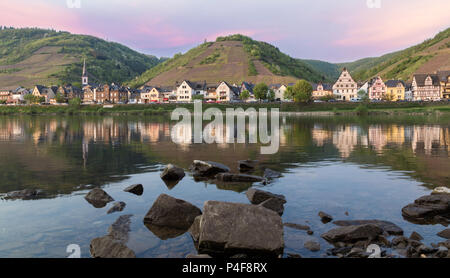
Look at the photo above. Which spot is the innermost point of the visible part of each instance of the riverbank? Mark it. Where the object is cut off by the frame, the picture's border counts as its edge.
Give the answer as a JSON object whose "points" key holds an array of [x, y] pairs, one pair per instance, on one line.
{"points": [[316, 109]]}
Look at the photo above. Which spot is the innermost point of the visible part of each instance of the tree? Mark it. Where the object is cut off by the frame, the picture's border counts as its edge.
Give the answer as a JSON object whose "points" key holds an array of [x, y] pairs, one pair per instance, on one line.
{"points": [[244, 95], [2, 101], [60, 98], [302, 91], [75, 102], [198, 97], [363, 96], [260, 91], [289, 93], [31, 99], [271, 95]]}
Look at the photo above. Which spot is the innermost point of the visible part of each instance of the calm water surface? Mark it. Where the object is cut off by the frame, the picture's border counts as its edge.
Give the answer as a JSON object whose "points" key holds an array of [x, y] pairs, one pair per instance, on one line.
{"points": [[368, 167]]}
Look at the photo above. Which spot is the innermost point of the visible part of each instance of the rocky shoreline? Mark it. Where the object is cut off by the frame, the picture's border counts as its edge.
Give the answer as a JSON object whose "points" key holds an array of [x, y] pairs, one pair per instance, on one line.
{"points": [[256, 229]]}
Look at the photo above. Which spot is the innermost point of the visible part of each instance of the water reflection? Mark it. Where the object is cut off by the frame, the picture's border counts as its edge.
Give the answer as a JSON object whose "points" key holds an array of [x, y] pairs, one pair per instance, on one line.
{"points": [[68, 153]]}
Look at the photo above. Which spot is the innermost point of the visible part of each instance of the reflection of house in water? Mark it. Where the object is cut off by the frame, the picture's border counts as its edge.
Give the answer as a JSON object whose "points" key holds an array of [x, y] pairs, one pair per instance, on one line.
{"points": [[107, 131], [426, 136], [377, 137], [182, 134], [11, 131], [345, 138], [321, 136], [445, 137], [395, 134]]}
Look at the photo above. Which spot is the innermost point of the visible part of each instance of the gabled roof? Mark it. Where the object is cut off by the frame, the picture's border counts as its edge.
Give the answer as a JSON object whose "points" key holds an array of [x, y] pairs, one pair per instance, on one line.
{"points": [[394, 83], [420, 79], [443, 75]]}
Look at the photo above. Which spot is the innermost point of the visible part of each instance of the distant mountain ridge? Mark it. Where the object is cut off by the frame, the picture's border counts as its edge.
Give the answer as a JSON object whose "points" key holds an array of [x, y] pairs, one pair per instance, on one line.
{"points": [[32, 56]]}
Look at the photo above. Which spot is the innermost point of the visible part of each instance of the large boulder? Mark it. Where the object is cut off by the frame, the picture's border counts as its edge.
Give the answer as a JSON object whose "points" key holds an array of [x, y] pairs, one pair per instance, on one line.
{"points": [[230, 228], [136, 189], [172, 213], [429, 209], [228, 177], [206, 169], [98, 198], [257, 196], [353, 233], [387, 226]]}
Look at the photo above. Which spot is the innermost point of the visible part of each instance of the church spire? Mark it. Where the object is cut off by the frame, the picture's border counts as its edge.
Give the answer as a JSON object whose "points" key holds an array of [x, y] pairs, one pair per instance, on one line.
{"points": [[84, 76]]}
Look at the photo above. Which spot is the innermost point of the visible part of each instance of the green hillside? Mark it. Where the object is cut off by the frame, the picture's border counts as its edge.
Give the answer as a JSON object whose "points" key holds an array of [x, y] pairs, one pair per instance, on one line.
{"points": [[429, 56], [35, 56], [234, 59]]}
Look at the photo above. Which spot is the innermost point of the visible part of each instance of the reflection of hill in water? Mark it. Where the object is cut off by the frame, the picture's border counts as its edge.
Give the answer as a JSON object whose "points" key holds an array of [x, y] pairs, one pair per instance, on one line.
{"points": [[64, 154]]}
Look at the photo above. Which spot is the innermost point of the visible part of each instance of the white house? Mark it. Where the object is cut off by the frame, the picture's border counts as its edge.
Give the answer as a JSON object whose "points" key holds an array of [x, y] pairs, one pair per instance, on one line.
{"points": [[187, 90], [227, 93]]}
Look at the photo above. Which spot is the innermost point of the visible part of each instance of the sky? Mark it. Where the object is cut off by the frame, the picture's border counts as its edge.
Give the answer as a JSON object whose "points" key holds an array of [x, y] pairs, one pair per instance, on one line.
{"points": [[329, 30]]}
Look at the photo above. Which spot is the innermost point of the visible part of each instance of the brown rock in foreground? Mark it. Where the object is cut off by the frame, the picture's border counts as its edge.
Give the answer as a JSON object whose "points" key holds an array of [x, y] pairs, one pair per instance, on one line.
{"points": [[353, 233], [429, 209], [387, 226], [98, 198], [107, 247], [172, 213], [201, 168], [257, 196], [230, 228], [444, 234]]}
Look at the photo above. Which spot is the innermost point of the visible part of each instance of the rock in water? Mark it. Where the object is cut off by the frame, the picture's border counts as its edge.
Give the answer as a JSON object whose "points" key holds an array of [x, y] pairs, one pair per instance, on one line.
{"points": [[199, 256], [387, 226], [26, 194], [271, 174], [325, 217], [118, 206], [136, 189], [194, 230], [208, 168], [297, 226], [247, 165], [416, 236], [98, 198], [231, 228], [428, 209], [113, 244], [257, 196], [445, 234], [274, 204], [228, 177], [173, 213], [107, 247], [312, 246], [172, 173], [441, 190], [353, 233]]}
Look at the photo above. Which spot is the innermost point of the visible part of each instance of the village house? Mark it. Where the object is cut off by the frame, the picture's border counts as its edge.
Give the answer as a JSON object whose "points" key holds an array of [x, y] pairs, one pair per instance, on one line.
{"points": [[18, 95], [279, 90], [444, 79], [88, 94], [146, 94], [187, 90], [227, 93], [5, 96], [245, 86], [322, 90], [211, 93], [426, 87], [377, 89], [408, 92], [117, 94], [395, 90], [48, 93], [134, 96], [345, 87], [69, 92]]}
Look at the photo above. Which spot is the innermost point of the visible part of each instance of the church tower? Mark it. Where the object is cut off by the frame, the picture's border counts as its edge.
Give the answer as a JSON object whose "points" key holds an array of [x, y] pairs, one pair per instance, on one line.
{"points": [[84, 77]]}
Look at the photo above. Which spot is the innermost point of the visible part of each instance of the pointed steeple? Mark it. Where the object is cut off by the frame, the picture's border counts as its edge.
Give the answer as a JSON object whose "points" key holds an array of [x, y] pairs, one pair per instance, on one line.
{"points": [[84, 76]]}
